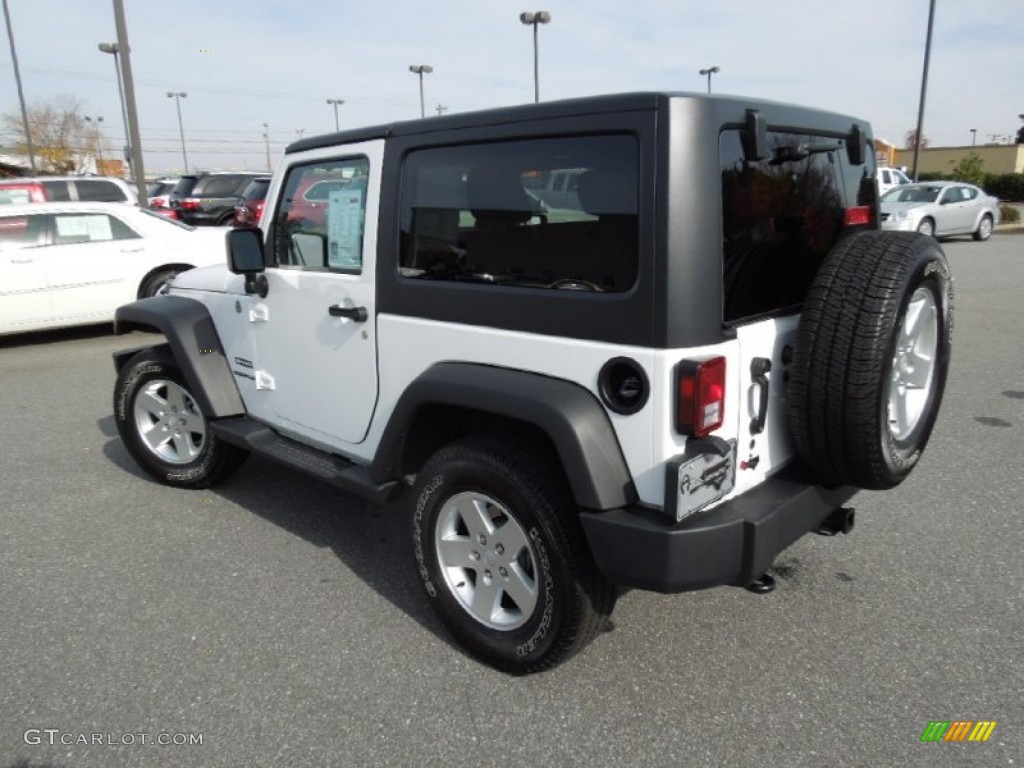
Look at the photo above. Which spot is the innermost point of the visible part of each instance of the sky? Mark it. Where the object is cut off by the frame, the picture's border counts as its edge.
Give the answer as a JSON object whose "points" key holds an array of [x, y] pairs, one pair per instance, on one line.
{"points": [[250, 62]]}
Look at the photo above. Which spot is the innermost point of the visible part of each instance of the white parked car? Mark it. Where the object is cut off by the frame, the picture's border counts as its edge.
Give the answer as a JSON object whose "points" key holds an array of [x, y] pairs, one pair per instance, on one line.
{"points": [[67, 264], [940, 208]]}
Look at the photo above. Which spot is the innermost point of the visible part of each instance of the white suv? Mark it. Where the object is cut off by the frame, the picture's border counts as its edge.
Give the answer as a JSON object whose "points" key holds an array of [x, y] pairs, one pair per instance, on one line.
{"points": [[658, 381]]}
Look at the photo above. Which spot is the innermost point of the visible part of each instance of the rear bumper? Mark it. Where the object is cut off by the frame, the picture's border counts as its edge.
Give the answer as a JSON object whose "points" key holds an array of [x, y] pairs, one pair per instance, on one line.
{"points": [[733, 543]]}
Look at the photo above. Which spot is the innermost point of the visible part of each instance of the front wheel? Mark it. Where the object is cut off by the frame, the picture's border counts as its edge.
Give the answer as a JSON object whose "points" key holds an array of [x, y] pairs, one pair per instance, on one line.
{"points": [[502, 556], [164, 428], [926, 228], [156, 282]]}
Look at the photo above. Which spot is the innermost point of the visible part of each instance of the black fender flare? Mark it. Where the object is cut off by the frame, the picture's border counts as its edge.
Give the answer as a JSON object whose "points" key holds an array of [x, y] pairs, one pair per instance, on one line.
{"points": [[193, 341], [571, 417]]}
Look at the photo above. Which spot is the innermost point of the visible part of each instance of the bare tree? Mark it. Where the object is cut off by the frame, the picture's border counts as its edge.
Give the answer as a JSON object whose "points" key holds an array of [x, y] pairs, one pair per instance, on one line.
{"points": [[64, 142], [910, 140]]}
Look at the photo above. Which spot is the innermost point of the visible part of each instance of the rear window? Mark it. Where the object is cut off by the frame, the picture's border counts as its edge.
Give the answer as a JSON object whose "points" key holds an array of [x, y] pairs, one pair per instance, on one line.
{"points": [[556, 213], [782, 214], [185, 186], [256, 190], [221, 186]]}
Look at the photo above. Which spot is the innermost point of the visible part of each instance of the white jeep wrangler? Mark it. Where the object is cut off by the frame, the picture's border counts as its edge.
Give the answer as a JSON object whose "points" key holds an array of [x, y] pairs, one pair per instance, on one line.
{"points": [[643, 340]]}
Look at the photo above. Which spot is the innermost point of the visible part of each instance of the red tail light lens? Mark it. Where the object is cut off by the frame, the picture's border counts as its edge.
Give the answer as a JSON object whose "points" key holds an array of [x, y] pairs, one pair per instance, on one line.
{"points": [[856, 216], [259, 209], [700, 388], [189, 204]]}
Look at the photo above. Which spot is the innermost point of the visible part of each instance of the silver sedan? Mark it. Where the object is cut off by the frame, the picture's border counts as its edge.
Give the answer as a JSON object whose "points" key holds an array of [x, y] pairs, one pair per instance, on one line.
{"points": [[940, 208]]}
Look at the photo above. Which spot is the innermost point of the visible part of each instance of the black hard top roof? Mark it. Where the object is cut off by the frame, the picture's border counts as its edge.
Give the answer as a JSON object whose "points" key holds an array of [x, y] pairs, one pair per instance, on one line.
{"points": [[621, 102]]}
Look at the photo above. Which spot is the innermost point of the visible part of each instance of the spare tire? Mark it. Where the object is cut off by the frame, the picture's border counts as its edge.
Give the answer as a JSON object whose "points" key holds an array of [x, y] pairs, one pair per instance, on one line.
{"points": [[871, 358]]}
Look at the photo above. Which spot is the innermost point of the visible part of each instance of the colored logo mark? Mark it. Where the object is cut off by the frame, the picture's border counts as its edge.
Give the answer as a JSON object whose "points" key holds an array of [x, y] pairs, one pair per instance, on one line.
{"points": [[958, 730]]}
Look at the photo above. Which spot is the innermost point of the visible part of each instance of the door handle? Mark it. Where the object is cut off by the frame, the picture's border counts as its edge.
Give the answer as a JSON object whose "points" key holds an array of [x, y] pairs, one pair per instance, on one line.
{"points": [[358, 314], [759, 368], [22, 261], [131, 250]]}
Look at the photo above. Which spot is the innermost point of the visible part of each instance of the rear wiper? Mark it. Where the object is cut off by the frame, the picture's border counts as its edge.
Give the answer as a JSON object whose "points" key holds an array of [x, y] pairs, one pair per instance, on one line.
{"points": [[793, 154]]}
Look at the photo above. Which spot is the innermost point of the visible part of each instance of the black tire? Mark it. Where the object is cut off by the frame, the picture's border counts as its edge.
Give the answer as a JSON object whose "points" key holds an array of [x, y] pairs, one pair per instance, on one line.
{"points": [[926, 227], [850, 422], [512, 487], [152, 284], [984, 230], [154, 376]]}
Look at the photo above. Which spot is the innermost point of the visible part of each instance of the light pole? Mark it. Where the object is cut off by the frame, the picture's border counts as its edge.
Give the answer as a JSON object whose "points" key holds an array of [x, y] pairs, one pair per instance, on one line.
{"points": [[266, 138], [96, 138], [709, 72], [532, 20], [421, 69], [21, 94], [178, 96], [924, 86], [112, 48], [974, 136], [138, 162], [336, 103]]}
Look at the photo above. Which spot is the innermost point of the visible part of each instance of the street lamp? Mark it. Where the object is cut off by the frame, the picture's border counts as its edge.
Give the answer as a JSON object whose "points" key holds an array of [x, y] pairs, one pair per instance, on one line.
{"points": [[533, 19], [112, 48], [336, 103], [709, 72], [97, 138], [421, 69], [178, 96], [266, 138], [974, 136]]}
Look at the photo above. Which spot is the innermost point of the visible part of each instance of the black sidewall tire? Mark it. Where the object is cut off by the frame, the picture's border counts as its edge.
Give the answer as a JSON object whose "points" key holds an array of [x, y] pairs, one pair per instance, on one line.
{"points": [[900, 456], [507, 649], [215, 461]]}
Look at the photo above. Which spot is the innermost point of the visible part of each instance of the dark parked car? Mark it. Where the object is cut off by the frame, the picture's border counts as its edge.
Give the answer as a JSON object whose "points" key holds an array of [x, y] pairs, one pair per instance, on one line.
{"points": [[209, 198], [249, 207]]}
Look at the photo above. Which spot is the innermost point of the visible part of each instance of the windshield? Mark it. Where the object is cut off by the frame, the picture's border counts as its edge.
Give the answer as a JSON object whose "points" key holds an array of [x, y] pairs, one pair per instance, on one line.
{"points": [[170, 221], [909, 194]]}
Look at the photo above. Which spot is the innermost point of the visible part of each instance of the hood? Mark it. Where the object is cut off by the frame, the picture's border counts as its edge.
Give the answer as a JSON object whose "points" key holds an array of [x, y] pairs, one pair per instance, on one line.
{"points": [[217, 279]]}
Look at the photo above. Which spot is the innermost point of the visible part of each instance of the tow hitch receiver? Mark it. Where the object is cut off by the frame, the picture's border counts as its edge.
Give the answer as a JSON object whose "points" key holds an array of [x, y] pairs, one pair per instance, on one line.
{"points": [[839, 520]]}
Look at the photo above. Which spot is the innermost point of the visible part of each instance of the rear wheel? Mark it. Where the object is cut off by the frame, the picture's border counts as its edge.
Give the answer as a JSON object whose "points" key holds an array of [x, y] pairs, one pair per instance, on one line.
{"points": [[984, 230], [871, 359], [502, 556]]}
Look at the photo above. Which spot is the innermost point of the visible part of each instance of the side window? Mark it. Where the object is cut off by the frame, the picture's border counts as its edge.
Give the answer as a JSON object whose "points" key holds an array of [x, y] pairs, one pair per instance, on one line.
{"points": [[219, 187], [321, 215], [97, 191], [89, 228], [57, 191], [969, 193], [555, 213], [781, 215]]}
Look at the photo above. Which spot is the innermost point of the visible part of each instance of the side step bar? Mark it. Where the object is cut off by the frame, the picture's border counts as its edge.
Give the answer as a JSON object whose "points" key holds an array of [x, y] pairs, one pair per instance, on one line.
{"points": [[347, 475]]}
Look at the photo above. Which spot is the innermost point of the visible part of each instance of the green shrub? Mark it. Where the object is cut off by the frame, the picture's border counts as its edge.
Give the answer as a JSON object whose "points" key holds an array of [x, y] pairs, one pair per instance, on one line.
{"points": [[970, 169], [1009, 215], [1005, 186]]}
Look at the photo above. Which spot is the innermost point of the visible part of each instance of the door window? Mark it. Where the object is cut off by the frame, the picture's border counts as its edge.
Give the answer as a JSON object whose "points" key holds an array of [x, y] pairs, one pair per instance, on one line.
{"points": [[89, 228], [99, 191], [321, 215]]}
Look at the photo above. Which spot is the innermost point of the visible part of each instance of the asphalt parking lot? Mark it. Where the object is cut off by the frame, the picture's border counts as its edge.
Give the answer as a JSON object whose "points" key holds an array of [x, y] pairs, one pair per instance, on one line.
{"points": [[281, 623]]}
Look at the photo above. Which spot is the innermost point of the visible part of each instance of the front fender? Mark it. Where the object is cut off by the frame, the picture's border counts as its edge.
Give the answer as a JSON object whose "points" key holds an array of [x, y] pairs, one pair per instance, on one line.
{"points": [[568, 414], [193, 341]]}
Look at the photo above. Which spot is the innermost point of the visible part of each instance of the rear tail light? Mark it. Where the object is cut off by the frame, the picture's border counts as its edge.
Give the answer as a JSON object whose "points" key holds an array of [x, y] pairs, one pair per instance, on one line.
{"points": [[856, 216], [700, 393], [189, 204]]}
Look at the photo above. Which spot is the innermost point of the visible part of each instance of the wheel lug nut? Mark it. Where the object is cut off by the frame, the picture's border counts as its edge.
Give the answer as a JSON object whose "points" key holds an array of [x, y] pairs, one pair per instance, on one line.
{"points": [[500, 549], [503, 573], [474, 555], [482, 539]]}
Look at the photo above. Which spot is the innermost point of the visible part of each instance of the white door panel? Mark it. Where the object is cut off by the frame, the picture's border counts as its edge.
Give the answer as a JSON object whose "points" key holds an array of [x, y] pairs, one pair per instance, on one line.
{"points": [[24, 301]]}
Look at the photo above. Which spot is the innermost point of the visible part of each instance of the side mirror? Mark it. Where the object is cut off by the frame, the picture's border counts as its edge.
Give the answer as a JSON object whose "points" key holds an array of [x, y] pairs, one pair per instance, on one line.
{"points": [[245, 257]]}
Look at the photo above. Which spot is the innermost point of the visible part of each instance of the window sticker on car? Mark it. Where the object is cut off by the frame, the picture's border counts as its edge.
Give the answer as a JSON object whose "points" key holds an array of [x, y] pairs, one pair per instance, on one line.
{"points": [[83, 228], [345, 228]]}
